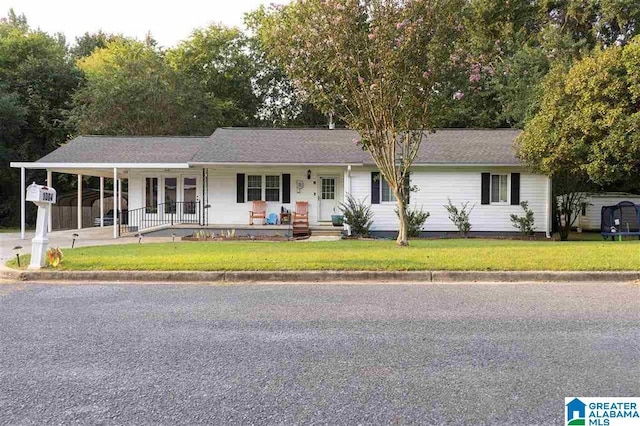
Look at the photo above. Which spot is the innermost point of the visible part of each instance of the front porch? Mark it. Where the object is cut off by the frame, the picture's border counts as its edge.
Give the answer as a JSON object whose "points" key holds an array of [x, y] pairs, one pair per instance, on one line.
{"points": [[153, 198]]}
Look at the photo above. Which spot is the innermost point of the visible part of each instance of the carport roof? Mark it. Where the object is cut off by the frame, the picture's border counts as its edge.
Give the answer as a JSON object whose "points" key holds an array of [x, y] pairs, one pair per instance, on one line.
{"points": [[127, 149]]}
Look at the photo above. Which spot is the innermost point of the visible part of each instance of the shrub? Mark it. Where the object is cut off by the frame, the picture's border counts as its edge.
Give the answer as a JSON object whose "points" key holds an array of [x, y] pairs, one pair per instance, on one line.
{"points": [[357, 215], [416, 218], [525, 224], [54, 256], [460, 217]]}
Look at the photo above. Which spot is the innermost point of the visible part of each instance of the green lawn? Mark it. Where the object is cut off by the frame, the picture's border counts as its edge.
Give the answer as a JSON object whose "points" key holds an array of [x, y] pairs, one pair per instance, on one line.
{"points": [[442, 254]]}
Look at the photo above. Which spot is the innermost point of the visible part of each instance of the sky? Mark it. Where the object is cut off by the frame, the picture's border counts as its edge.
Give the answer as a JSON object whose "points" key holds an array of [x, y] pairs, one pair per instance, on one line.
{"points": [[169, 21]]}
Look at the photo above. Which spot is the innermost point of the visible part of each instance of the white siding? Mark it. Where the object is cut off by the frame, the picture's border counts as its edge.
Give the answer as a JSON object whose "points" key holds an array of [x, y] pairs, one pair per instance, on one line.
{"points": [[222, 191], [437, 184]]}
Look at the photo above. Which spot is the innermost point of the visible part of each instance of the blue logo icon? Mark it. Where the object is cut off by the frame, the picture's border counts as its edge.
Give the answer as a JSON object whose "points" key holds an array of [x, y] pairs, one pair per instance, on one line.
{"points": [[576, 413]]}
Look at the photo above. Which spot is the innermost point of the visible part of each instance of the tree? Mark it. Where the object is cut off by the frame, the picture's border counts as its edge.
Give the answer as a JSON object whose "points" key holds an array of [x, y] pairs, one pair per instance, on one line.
{"points": [[216, 71], [588, 121], [86, 44], [379, 65], [281, 104], [129, 90], [37, 80]]}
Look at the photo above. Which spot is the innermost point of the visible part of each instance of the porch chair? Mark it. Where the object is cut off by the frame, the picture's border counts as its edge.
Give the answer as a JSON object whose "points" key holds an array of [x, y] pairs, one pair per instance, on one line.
{"points": [[301, 218], [258, 211], [302, 211], [272, 219]]}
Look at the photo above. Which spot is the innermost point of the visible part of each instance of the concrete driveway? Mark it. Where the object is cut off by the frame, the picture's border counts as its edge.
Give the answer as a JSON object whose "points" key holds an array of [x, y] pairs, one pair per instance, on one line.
{"points": [[339, 354]]}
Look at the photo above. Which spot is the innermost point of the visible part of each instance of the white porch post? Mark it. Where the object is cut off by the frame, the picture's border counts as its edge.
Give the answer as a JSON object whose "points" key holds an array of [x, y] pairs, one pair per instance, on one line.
{"points": [[120, 196], [50, 210], [101, 202], [22, 202], [115, 202], [79, 201]]}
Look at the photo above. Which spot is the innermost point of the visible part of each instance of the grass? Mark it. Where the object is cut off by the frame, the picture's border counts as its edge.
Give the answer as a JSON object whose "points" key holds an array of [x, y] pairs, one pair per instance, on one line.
{"points": [[443, 254], [12, 230]]}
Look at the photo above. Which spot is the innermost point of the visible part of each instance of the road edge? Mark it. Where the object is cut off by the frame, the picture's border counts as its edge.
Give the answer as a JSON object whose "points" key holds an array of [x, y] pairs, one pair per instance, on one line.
{"points": [[319, 276]]}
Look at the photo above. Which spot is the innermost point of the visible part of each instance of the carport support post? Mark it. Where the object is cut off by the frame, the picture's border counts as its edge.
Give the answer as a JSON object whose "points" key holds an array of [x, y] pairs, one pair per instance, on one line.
{"points": [[22, 202], [50, 215], [79, 201], [115, 202], [101, 202]]}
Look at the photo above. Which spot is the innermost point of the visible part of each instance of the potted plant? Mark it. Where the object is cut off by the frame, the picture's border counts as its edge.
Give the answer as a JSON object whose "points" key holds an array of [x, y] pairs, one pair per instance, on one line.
{"points": [[337, 219]]}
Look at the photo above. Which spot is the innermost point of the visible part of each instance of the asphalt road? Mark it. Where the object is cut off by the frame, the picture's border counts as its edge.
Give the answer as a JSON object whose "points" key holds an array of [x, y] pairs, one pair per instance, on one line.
{"points": [[503, 354]]}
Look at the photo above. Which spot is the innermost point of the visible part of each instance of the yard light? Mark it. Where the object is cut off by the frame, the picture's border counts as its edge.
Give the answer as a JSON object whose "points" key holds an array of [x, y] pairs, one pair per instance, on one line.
{"points": [[18, 254], [73, 243], [139, 235], [173, 237]]}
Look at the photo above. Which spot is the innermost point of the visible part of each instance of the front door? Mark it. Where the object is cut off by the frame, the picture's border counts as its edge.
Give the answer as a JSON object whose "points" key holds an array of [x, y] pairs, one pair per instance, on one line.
{"points": [[170, 192], [190, 208], [328, 203]]}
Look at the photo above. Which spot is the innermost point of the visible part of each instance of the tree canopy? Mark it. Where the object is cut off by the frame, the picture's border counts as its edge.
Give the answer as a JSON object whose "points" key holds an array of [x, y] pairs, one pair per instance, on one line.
{"points": [[589, 118]]}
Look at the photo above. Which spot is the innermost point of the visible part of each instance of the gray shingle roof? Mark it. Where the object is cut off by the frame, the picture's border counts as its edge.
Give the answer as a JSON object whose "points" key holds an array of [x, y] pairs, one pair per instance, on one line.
{"points": [[284, 146], [126, 149], [445, 146]]}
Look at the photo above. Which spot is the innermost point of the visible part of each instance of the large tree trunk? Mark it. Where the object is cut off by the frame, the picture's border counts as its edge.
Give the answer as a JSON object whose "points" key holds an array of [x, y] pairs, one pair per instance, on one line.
{"points": [[403, 239]]}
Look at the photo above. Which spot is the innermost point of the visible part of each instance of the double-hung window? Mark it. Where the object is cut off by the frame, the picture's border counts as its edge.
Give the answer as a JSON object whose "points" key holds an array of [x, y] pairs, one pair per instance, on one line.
{"points": [[254, 188], [386, 194], [499, 188], [270, 184], [272, 188]]}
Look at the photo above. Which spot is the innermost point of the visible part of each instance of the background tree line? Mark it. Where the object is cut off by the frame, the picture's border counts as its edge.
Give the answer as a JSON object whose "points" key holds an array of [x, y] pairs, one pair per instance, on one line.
{"points": [[510, 59]]}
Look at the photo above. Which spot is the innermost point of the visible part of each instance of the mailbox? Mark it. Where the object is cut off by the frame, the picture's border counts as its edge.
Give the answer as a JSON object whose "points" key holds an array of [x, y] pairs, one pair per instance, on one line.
{"points": [[41, 194]]}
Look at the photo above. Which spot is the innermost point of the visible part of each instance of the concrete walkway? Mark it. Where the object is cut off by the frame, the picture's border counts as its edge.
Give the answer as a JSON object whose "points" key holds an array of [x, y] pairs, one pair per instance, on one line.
{"points": [[63, 239]]}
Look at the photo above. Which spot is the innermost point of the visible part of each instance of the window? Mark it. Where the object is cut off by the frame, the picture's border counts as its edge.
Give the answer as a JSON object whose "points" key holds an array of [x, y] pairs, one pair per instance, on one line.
{"points": [[328, 188], [151, 195], [499, 188], [386, 194], [272, 188], [254, 188]]}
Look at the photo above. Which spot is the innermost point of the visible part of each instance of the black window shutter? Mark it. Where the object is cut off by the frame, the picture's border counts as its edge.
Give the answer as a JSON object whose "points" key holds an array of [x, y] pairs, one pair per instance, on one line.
{"points": [[286, 188], [240, 188], [375, 187], [486, 187], [515, 189]]}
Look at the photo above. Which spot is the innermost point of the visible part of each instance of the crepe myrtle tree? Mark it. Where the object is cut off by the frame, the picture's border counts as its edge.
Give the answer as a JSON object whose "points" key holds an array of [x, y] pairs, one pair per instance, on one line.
{"points": [[381, 66]]}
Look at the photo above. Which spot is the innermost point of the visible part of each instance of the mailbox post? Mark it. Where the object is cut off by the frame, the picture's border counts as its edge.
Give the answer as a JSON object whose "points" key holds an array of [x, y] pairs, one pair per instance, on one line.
{"points": [[43, 197]]}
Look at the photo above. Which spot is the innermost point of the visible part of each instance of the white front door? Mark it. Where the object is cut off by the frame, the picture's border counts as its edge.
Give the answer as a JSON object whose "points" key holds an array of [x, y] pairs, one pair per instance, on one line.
{"points": [[327, 201], [190, 200]]}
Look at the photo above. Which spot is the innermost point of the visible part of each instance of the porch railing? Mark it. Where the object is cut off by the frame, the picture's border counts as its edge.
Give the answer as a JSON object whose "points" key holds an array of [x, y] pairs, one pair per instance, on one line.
{"points": [[171, 213]]}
